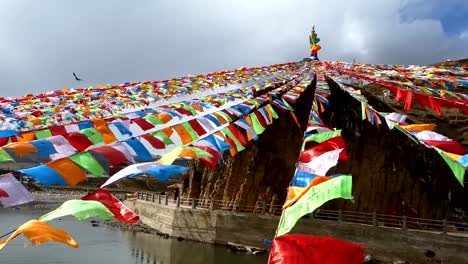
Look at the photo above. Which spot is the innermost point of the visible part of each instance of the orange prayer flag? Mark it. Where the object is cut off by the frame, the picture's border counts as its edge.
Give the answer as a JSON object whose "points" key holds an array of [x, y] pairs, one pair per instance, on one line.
{"points": [[86, 112], [249, 136], [188, 153], [97, 122], [39, 232], [106, 133], [368, 114], [220, 134], [295, 193], [168, 131], [70, 172], [183, 134], [164, 117], [220, 118], [27, 136], [249, 120], [295, 119], [419, 127], [270, 114], [35, 121], [197, 107], [22, 148]]}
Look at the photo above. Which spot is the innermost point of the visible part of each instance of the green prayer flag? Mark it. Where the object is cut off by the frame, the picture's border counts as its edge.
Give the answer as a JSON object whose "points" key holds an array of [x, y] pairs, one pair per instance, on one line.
{"points": [[81, 210], [224, 115], [153, 120], [4, 156], [363, 111], [457, 169], [272, 110], [254, 102], [93, 135], [88, 162], [161, 135], [425, 90], [190, 130], [190, 108], [40, 134], [339, 187], [453, 94], [406, 133], [257, 126], [288, 105], [228, 133], [321, 137]]}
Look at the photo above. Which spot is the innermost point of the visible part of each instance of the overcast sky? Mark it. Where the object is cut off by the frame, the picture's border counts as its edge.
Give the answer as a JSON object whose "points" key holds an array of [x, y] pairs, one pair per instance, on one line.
{"points": [[110, 41]]}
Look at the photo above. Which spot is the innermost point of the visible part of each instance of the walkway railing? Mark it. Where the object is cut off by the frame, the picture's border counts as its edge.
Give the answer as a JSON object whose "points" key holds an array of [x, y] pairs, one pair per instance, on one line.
{"points": [[260, 208], [371, 219]]}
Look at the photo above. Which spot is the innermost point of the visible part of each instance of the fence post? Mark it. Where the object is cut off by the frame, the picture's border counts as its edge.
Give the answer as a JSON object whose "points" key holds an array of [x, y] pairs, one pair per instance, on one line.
{"points": [[263, 208], [138, 196], [374, 218], [194, 203], [234, 206], [152, 197], [340, 216], [404, 223], [444, 226], [166, 200], [147, 197], [178, 201], [159, 199], [212, 204]]}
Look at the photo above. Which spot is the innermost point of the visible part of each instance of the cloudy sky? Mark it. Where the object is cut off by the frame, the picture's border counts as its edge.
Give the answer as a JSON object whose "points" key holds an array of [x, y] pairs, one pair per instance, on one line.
{"points": [[113, 41]]}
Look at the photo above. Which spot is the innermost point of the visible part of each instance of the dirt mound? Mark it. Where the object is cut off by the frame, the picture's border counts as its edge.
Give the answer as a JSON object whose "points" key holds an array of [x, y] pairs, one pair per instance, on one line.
{"points": [[462, 62]]}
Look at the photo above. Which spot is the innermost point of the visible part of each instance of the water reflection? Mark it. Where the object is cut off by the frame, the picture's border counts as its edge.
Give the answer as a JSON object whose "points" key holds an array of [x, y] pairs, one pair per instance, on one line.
{"points": [[149, 249], [101, 244]]}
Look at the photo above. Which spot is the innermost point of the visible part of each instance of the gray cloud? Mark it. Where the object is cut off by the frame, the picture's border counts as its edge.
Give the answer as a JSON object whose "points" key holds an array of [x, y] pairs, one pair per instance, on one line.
{"points": [[106, 41]]}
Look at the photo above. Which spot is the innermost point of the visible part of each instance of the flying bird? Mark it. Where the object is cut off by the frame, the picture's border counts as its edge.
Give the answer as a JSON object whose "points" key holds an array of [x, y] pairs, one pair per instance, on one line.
{"points": [[76, 78]]}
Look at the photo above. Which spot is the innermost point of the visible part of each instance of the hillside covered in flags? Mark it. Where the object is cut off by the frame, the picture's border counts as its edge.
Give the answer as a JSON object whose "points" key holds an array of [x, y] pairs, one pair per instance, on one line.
{"points": [[67, 136]]}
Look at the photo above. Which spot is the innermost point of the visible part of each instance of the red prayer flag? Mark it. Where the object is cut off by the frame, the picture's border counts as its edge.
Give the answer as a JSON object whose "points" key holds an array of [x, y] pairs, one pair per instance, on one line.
{"points": [[142, 123], [448, 146], [114, 156], [120, 211], [3, 193], [79, 141], [4, 141], [409, 101], [155, 142], [197, 127], [58, 130], [212, 162], [308, 249], [260, 119], [328, 145], [238, 135], [400, 95]]}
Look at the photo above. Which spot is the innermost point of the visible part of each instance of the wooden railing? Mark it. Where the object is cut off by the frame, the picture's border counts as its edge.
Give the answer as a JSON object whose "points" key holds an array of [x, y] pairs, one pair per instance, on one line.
{"points": [[371, 219]]}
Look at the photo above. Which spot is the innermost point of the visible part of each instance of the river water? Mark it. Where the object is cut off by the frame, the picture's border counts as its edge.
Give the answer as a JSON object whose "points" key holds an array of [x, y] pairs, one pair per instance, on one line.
{"points": [[105, 245]]}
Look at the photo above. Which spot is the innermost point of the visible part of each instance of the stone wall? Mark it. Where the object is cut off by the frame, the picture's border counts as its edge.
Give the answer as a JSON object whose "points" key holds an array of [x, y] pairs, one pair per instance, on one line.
{"points": [[221, 227]]}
